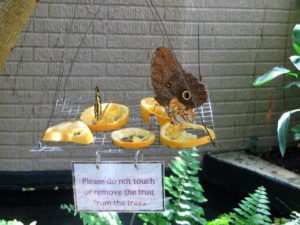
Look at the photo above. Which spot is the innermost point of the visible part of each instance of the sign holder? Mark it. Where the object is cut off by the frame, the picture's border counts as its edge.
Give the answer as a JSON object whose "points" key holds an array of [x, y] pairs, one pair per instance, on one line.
{"points": [[103, 189]]}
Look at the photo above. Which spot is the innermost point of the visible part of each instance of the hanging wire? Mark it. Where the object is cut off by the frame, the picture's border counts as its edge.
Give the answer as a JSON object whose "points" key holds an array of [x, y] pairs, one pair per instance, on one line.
{"points": [[63, 60], [61, 69], [78, 48], [159, 21], [164, 32]]}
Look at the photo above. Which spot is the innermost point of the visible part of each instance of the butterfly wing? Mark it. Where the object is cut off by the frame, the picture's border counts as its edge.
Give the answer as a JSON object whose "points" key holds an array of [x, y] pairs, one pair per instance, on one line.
{"points": [[169, 80], [163, 67]]}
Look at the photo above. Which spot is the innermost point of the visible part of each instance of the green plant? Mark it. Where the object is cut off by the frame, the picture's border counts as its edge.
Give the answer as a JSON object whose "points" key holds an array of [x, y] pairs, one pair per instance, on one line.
{"points": [[284, 120], [224, 219], [295, 219], [253, 209], [186, 193], [103, 218], [14, 222]]}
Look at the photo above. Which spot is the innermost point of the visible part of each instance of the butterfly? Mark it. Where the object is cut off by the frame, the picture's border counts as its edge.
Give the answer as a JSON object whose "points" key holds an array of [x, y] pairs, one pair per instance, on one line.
{"points": [[174, 88], [97, 106]]}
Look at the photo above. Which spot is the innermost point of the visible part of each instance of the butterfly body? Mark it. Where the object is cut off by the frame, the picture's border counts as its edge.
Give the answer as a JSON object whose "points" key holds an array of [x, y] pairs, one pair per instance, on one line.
{"points": [[174, 88], [97, 106]]}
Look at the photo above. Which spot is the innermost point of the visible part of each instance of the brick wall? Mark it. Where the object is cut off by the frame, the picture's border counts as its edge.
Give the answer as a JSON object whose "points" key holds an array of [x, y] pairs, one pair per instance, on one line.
{"points": [[239, 39]]}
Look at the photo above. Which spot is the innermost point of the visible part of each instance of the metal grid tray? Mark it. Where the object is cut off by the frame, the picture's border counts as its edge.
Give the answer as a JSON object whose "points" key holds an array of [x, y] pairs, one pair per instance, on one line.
{"points": [[71, 108]]}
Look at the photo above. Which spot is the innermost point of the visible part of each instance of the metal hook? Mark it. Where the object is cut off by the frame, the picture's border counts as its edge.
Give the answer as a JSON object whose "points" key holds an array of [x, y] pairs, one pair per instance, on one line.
{"points": [[98, 159], [137, 158]]}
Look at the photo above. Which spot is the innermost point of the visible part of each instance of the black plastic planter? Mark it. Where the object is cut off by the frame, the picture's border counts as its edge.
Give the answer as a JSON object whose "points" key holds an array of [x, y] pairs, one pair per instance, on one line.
{"points": [[241, 174]]}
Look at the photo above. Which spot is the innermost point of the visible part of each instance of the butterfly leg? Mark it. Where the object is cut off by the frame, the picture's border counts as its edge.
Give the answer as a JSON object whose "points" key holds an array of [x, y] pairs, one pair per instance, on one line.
{"points": [[176, 108]]}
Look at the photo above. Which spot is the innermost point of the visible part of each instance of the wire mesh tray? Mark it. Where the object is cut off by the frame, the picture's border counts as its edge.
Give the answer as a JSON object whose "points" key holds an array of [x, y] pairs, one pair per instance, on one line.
{"points": [[67, 109]]}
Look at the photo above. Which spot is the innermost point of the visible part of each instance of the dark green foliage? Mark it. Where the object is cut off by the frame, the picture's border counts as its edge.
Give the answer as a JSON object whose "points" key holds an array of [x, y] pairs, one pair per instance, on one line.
{"points": [[224, 219], [253, 210], [295, 219], [12, 222], [186, 193], [103, 218], [279, 71]]}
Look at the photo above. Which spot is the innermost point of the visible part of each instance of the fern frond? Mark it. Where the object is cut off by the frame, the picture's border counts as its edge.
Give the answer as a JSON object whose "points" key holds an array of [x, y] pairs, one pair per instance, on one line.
{"points": [[253, 209], [103, 218], [295, 219], [186, 193]]}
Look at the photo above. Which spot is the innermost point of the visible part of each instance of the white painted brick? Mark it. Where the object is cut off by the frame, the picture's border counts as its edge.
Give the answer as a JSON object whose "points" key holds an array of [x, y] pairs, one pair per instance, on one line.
{"points": [[68, 10], [117, 56], [179, 28], [130, 13], [240, 15], [122, 27], [190, 14], [123, 84], [77, 40], [12, 138], [129, 70], [133, 42], [26, 97], [16, 83], [25, 68], [79, 69], [21, 54], [41, 10], [32, 40], [73, 83], [56, 55]]}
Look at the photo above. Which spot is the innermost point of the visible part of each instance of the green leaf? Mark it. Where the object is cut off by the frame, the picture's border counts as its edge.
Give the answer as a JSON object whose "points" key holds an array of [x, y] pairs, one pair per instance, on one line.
{"points": [[271, 75], [282, 129], [296, 130], [295, 83], [296, 38], [295, 59]]}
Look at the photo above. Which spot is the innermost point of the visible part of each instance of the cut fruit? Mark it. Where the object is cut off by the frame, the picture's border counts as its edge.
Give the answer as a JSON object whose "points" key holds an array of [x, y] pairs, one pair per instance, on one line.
{"points": [[132, 138], [149, 107], [69, 131], [113, 117], [186, 135]]}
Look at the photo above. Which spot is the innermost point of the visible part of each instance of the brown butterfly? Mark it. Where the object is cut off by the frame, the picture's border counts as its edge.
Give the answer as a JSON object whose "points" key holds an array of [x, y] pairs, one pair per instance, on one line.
{"points": [[174, 88]]}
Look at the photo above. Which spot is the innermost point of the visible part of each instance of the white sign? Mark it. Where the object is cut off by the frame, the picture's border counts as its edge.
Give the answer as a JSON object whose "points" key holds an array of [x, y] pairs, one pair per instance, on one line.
{"points": [[119, 186]]}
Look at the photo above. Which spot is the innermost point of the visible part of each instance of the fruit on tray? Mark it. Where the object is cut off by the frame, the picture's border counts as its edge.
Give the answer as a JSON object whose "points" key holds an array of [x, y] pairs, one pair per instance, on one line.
{"points": [[186, 135], [69, 131], [150, 107], [132, 138], [113, 117]]}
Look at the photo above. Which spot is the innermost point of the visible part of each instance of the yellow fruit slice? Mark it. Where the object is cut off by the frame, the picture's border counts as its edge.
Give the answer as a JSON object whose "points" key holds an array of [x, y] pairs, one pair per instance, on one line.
{"points": [[186, 135], [149, 106], [132, 138], [114, 117], [70, 131]]}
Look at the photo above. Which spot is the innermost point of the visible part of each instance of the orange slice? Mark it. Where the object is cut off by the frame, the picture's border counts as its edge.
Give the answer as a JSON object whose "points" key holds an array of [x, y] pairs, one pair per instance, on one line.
{"points": [[114, 117], [186, 135], [70, 131], [149, 106], [132, 138]]}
